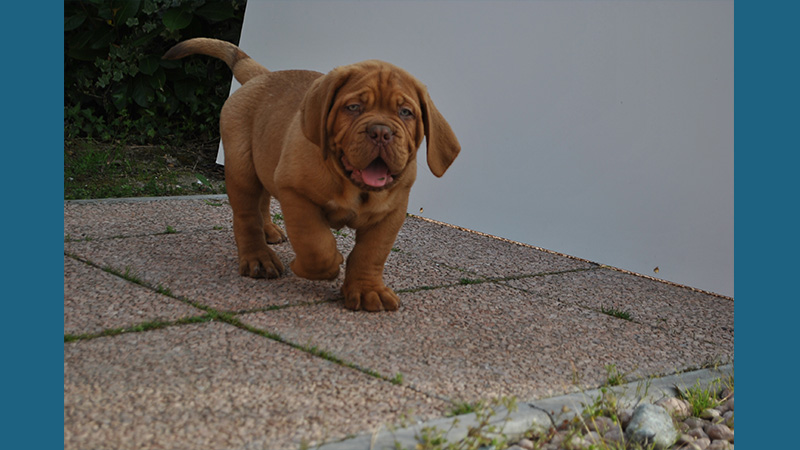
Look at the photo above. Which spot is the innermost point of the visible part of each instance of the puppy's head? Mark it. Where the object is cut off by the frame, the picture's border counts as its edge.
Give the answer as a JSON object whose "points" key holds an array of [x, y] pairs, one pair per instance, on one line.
{"points": [[371, 117]]}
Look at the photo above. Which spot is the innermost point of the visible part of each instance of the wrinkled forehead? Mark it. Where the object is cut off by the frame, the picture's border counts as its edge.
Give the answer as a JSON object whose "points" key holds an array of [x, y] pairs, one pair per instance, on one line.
{"points": [[380, 83]]}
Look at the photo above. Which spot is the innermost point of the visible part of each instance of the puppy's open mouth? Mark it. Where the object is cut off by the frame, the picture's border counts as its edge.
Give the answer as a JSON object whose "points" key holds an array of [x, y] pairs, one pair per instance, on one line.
{"points": [[376, 175]]}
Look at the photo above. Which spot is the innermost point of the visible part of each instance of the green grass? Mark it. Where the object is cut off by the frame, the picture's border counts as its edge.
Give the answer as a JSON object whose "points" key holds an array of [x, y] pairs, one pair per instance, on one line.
{"points": [[613, 376], [460, 408], [100, 170], [702, 397], [128, 274], [625, 315], [164, 290], [397, 379], [605, 404], [69, 238], [138, 328], [483, 435]]}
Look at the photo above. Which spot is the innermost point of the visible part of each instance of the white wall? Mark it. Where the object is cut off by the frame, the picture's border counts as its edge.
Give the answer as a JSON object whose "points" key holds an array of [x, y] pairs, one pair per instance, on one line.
{"points": [[601, 129]]}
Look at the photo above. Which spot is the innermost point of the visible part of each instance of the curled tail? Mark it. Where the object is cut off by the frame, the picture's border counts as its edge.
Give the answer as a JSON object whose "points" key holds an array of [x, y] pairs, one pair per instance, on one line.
{"points": [[243, 67]]}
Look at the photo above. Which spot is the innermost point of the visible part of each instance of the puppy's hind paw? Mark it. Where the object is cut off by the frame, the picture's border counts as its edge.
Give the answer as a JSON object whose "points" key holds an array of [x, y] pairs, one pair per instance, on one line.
{"points": [[273, 233]]}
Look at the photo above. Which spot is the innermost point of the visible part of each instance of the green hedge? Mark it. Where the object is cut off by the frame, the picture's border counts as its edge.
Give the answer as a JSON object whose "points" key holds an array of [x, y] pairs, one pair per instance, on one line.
{"points": [[117, 87]]}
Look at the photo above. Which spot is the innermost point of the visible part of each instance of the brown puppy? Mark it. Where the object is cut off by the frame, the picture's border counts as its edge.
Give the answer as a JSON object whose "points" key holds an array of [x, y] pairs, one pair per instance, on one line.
{"points": [[336, 149]]}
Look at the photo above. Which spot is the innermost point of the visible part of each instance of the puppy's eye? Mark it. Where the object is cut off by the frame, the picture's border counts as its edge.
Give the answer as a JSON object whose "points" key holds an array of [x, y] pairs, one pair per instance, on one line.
{"points": [[405, 112], [355, 107]]}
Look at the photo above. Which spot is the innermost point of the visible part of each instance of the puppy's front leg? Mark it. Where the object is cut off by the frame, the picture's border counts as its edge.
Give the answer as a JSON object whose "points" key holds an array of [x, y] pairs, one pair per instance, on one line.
{"points": [[363, 286], [316, 255]]}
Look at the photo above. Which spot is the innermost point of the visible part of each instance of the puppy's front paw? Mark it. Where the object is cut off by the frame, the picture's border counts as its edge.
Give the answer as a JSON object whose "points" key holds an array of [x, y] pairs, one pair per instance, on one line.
{"points": [[369, 297], [263, 264]]}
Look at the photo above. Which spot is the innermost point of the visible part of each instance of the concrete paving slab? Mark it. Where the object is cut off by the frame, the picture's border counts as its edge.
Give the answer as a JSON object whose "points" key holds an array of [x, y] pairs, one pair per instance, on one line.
{"points": [[468, 343], [481, 317], [480, 254], [202, 267], [212, 386], [135, 217], [675, 309], [95, 300]]}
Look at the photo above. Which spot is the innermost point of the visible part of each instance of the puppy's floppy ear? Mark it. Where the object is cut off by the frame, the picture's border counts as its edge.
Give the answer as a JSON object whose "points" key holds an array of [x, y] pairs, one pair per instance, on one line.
{"points": [[317, 106], [443, 146]]}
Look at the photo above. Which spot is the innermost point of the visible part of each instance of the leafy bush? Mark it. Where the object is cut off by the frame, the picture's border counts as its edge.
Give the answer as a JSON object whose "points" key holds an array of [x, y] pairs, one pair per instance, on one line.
{"points": [[117, 87]]}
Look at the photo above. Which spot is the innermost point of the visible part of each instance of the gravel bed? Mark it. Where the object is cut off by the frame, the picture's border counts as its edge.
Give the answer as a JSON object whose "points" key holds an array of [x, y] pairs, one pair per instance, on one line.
{"points": [[711, 429]]}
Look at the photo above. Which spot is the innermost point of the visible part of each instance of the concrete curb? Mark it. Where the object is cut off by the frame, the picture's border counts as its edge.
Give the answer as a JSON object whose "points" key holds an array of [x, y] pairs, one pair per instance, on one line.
{"points": [[533, 414]]}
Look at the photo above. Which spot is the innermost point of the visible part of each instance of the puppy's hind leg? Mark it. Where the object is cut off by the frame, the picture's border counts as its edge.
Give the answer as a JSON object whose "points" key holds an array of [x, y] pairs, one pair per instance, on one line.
{"points": [[272, 231], [246, 196]]}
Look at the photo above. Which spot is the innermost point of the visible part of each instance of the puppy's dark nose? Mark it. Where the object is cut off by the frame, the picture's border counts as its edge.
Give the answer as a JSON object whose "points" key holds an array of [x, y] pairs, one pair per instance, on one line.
{"points": [[380, 134]]}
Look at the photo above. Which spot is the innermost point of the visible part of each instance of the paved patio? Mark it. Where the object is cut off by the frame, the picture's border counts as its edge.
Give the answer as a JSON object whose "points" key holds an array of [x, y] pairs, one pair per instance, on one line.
{"points": [[167, 346]]}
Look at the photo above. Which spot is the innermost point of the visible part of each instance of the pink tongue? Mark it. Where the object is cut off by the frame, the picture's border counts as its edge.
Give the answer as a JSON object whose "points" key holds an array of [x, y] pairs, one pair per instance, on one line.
{"points": [[376, 174]]}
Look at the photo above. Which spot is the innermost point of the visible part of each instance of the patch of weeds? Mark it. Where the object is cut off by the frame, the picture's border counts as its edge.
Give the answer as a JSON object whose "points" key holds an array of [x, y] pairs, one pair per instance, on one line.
{"points": [[69, 238], [460, 408], [314, 350], [147, 326], [397, 380], [395, 250], [573, 430], [466, 281], [210, 203], [643, 388], [138, 328], [482, 435], [129, 274], [541, 437], [431, 438], [625, 315], [340, 233], [164, 290], [701, 397], [727, 382], [170, 230], [614, 377], [223, 316], [217, 228], [71, 338], [605, 404], [277, 217]]}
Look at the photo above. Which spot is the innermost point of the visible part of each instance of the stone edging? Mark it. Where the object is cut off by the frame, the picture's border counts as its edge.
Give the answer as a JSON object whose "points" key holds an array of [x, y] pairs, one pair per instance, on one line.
{"points": [[534, 413]]}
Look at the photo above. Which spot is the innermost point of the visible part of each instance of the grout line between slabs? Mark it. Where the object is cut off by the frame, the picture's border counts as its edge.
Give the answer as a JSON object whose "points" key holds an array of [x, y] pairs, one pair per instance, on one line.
{"points": [[586, 307], [229, 318]]}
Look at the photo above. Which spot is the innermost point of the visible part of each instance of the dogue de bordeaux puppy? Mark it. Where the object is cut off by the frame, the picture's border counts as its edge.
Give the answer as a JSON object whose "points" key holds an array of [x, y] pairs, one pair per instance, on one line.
{"points": [[336, 149]]}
